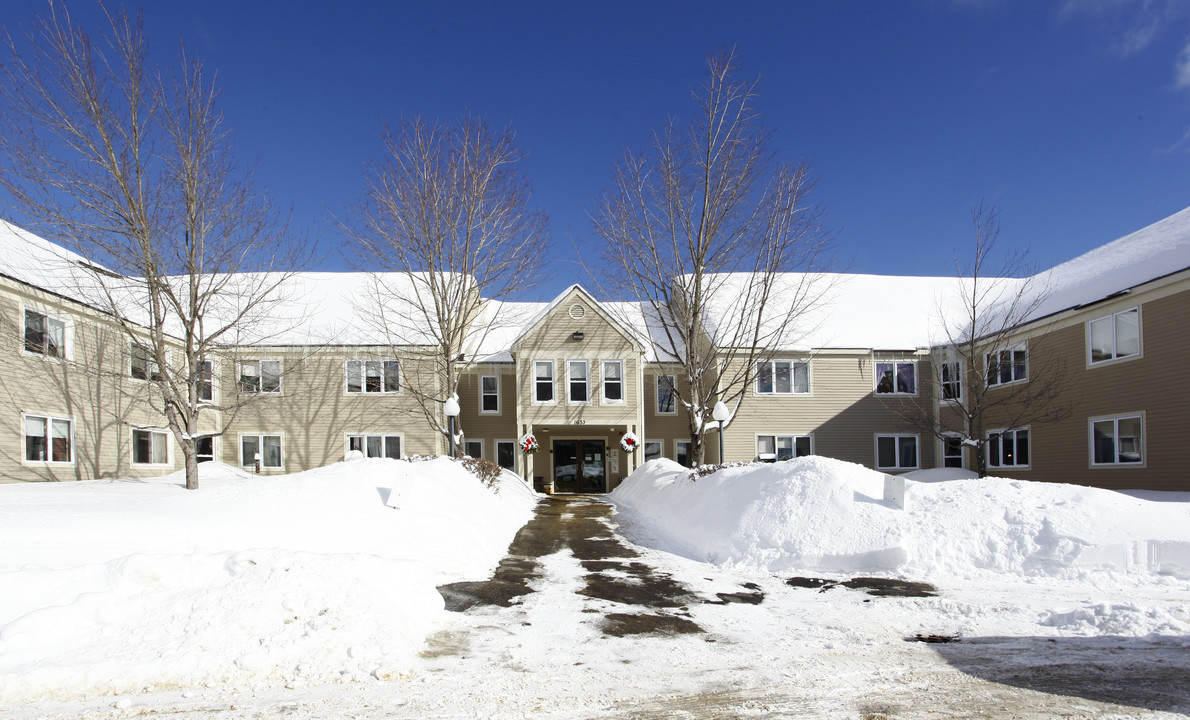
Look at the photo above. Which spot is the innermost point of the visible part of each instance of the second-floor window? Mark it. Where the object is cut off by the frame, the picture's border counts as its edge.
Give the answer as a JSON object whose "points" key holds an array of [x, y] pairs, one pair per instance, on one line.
{"points": [[613, 381], [489, 393], [543, 381], [1007, 366], [576, 371], [666, 397], [782, 377], [144, 367], [896, 378], [206, 380], [1115, 336], [951, 380], [373, 376], [44, 334], [260, 376]]}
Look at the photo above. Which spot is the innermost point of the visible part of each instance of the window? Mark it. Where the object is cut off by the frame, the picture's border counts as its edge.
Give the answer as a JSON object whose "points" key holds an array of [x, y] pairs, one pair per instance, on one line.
{"points": [[543, 373], [666, 402], [373, 376], [206, 383], [783, 377], [952, 451], [652, 450], [1008, 448], [896, 378], [473, 448], [268, 447], [613, 381], [896, 452], [577, 372], [204, 449], [682, 452], [49, 439], [1118, 440], [260, 376], [375, 446], [782, 447], [952, 381], [144, 367], [1007, 366], [44, 335], [1114, 337], [489, 394], [506, 454], [150, 447]]}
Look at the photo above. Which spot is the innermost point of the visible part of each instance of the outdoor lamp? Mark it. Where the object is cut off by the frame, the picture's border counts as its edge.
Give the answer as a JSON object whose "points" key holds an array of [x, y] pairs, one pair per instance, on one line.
{"points": [[452, 411], [721, 415]]}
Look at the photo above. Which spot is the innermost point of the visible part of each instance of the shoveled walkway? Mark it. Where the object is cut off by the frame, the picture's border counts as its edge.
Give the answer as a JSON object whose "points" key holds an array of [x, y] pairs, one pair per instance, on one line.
{"points": [[653, 601]]}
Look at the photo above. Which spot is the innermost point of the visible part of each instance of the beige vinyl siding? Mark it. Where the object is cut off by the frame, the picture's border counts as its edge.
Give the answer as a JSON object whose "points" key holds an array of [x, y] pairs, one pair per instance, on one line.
{"points": [[842, 413], [486, 426], [663, 427], [314, 412], [1150, 384]]}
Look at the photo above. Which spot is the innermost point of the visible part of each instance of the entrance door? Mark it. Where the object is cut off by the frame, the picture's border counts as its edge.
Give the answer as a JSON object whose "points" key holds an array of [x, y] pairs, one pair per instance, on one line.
{"points": [[579, 466]]}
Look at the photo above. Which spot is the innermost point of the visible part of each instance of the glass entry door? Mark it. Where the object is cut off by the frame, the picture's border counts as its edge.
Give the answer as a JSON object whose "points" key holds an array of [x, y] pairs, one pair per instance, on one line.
{"points": [[579, 465]]}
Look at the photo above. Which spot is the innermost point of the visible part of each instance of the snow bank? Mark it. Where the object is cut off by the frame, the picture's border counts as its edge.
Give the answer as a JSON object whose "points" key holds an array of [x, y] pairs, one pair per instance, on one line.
{"points": [[816, 513], [117, 585]]}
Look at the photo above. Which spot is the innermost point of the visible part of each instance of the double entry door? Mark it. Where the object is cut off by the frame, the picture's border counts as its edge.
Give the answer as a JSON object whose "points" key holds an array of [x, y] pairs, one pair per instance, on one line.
{"points": [[579, 465]]}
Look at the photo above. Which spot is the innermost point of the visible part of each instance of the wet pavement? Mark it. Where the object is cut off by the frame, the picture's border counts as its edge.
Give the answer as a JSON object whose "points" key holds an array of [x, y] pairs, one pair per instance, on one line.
{"points": [[653, 602]]}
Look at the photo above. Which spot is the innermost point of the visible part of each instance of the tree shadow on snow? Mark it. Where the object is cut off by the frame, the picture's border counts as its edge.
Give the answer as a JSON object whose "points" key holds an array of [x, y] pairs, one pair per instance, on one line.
{"points": [[1110, 669]]}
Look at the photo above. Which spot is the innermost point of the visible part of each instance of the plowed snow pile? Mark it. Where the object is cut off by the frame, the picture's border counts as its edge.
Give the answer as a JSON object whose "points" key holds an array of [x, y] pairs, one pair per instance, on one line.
{"points": [[822, 514], [115, 585]]}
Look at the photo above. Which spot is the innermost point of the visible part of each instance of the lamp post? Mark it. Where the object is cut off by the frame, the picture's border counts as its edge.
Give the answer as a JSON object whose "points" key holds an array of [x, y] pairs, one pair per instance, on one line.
{"points": [[452, 411], [721, 415]]}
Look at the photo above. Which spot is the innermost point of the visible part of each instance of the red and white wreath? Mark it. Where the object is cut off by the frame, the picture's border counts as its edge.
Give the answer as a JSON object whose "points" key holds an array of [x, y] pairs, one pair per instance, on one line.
{"points": [[629, 442], [529, 444]]}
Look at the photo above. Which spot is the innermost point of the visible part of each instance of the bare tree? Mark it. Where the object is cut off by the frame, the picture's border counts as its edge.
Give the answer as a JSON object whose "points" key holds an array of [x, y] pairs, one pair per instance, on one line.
{"points": [[132, 168], [985, 369], [709, 231], [447, 229]]}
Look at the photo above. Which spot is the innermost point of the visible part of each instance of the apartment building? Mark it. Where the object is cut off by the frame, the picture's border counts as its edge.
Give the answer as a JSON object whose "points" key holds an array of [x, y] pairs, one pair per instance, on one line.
{"points": [[578, 373]]}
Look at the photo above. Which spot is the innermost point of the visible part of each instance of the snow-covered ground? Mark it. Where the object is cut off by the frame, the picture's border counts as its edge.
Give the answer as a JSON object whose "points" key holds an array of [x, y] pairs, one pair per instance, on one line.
{"points": [[308, 596]]}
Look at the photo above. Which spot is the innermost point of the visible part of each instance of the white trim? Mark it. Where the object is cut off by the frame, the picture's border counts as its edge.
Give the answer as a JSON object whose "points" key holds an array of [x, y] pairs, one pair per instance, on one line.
{"points": [[603, 383], [776, 436], [260, 361], [1015, 440], [49, 429], [793, 364], [897, 449], [363, 376], [260, 436], [877, 362], [1017, 347], [169, 447], [1115, 420], [383, 440], [482, 394], [515, 453], [553, 383], [67, 331], [586, 382], [482, 446], [1115, 358]]}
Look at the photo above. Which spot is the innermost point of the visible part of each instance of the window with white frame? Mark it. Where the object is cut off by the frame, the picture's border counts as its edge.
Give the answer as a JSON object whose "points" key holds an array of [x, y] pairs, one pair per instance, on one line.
{"points": [[782, 447], [204, 449], [144, 367], [1114, 336], [951, 380], [489, 394], [373, 376], [1007, 366], [506, 454], [473, 448], [150, 447], [896, 377], [1008, 448], [376, 446], [49, 439], [952, 451], [45, 334], [267, 447], [667, 403], [1118, 440], [896, 452], [260, 376], [613, 382], [206, 380], [652, 450], [576, 371], [543, 381], [682, 452], [783, 377]]}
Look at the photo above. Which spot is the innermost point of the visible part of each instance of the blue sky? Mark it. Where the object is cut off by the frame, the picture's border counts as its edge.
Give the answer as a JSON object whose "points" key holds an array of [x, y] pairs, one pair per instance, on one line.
{"points": [[1069, 117]]}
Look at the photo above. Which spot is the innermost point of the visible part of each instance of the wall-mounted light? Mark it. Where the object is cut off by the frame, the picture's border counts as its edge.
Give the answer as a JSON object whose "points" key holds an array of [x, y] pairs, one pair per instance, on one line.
{"points": [[578, 335]]}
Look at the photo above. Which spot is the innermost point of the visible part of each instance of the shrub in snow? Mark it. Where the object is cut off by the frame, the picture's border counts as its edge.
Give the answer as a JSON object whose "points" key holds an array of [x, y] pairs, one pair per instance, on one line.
{"points": [[487, 471]]}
